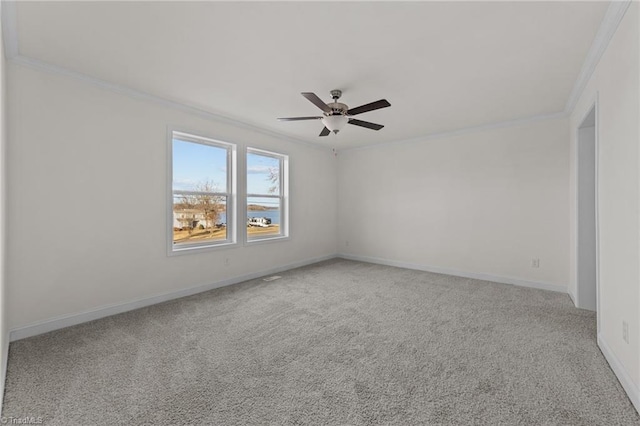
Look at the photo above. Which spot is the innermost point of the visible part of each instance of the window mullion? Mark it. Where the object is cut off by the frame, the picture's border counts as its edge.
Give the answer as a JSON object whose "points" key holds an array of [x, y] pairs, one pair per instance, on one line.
{"points": [[263, 196]]}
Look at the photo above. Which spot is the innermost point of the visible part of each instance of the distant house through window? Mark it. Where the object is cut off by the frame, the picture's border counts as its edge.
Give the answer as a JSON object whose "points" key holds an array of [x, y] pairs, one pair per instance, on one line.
{"points": [[202, 192], [267, 195]]}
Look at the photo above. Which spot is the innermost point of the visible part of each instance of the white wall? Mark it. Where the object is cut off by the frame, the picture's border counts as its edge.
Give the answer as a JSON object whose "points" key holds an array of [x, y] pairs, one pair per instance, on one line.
{"points": [[483, 203], [79, 154], [4, 332], [615, 84]]}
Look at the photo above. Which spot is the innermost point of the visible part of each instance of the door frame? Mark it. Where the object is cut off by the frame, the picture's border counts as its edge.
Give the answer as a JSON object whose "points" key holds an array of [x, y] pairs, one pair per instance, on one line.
{"points": [[594, 105]]}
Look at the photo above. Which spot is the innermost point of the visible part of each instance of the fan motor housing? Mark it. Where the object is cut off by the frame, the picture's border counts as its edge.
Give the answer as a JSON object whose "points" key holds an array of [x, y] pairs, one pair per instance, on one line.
{"points": [[338, 107]]}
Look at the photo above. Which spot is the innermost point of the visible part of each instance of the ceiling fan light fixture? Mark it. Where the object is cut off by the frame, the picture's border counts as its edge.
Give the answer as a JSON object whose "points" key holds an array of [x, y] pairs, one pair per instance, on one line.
{"points": [[335, 123], [336, 114]]}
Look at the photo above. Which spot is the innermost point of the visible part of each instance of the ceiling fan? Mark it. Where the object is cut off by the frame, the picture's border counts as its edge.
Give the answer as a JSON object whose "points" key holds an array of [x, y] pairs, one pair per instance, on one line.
{"points": [[337, 114]]}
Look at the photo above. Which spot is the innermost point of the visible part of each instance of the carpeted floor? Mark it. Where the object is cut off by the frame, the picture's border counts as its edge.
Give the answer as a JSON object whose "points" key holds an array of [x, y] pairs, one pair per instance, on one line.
{"points": [[336, 343]]}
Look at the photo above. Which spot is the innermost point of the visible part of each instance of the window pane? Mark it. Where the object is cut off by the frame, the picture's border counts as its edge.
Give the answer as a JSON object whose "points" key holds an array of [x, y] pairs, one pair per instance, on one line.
{"points": [[263, 174], [263, 217], [199, 167], [199, 218]]}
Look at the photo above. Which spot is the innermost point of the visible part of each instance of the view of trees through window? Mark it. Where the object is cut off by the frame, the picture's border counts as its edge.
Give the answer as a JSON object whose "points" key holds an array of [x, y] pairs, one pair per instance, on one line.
{"points": [[199, 216]]}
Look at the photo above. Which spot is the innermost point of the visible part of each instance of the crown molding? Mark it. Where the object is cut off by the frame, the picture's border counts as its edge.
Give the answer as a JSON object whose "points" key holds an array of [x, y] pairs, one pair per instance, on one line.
{"points": [[168, 103], [136, 94], [11, 51], [608, 27], [606, 31], [9, 28], [466, 130]]}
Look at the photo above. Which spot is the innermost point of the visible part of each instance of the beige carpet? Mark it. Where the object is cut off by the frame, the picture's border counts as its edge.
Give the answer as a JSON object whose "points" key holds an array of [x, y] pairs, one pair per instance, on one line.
{"points": [[336, 343]]}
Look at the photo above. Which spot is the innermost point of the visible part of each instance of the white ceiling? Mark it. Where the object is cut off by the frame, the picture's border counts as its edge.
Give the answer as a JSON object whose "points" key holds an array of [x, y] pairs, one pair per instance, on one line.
{"points": [[442, 66]]}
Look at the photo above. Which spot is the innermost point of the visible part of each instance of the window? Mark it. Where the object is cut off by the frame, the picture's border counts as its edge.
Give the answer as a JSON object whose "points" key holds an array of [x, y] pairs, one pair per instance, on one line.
{"points": [[202, 192], [267, 195]]}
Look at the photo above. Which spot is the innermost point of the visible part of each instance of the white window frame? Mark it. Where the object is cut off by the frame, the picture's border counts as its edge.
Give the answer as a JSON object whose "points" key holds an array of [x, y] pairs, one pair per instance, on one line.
{"points": [[283, 196], [229, 193]]}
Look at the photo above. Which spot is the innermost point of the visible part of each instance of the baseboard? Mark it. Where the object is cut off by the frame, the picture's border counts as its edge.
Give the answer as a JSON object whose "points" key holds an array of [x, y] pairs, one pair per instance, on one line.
{"points": [[457, 273], [573, 298], [105, 311], [621, 373]]}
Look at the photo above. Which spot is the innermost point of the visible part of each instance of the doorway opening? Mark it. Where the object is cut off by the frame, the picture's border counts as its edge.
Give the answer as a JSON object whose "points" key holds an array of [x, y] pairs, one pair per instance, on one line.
{"points": [[587, 236]]}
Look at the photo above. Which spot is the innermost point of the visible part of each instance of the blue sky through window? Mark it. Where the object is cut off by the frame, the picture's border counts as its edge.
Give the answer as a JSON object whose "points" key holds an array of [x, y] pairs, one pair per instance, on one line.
{"points": [[258, 167], [195, 163]]}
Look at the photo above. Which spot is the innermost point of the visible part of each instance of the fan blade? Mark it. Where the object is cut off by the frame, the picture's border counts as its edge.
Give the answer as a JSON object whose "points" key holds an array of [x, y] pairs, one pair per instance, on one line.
{"points": [[298, 118], [366, 124], [314, 99], [325, 132], [382, 103]]}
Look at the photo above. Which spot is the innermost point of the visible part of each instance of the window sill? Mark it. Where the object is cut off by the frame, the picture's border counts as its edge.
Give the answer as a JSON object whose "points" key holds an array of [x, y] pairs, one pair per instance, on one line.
{"points": [[199, 249], [264, 240]]}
